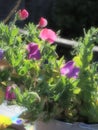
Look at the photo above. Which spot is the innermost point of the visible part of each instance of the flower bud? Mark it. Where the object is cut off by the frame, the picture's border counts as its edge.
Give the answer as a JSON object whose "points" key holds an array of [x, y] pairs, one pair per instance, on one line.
{"points": [[23, 14], [42, 23]]}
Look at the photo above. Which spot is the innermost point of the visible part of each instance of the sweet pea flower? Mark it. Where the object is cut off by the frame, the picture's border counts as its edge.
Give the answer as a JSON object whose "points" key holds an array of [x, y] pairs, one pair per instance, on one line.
{"points": [[70, 70], [1, 54], [23, 14], [42, 23], [33, 51], [48, 35], [9, 94]]}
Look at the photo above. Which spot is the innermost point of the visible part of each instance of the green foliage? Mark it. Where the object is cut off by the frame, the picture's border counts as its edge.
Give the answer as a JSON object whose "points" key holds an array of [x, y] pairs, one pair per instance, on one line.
{"points": [[40, 86], [88, 77]]}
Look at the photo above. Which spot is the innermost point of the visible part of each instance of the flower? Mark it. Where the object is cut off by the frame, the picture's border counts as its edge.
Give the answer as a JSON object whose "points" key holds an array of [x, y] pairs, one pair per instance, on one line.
{"points": [[23, 14], [9, 94], [1, 54], [48, 35], [33, 51], [4, 122], [42, 23], [17, 120], [70, 70]]}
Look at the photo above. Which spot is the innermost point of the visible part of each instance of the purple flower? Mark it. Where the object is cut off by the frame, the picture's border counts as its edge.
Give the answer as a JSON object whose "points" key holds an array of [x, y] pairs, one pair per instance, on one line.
{"points": [[33, 51], [9, 94], [70, 70], [17, 120], [1, 54]]}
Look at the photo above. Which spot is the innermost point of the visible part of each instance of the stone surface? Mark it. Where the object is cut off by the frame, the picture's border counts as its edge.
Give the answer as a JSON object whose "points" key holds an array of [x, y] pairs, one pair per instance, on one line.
{"points": [[58, 125]]}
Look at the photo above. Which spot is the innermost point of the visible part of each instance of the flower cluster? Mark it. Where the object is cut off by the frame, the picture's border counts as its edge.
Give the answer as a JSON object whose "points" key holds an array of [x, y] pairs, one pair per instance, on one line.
{"points": [[33, 75]]}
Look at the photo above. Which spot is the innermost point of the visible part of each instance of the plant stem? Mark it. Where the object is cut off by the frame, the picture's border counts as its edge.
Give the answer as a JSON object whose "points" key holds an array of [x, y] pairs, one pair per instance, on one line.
{"points": [[12, 11]]}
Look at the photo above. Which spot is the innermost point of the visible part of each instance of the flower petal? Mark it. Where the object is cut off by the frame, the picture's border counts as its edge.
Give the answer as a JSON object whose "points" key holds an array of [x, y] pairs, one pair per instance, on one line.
{"points": [[23, 14], [70, 70], [33, 51], [48, 35], [42, 23]]}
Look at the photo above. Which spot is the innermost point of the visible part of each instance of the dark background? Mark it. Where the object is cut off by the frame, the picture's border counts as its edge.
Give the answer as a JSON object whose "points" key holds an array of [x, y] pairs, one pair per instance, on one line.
{"points": [[71, 16], [68, 16]]}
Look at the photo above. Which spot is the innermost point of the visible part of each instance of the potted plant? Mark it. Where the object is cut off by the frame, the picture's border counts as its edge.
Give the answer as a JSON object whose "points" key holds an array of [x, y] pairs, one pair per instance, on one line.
{"points": [[52, 89]]}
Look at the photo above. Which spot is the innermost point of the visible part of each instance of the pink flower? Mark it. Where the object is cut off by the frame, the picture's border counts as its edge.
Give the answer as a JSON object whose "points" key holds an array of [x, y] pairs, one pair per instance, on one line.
{"points": [[33, 51], [23, 14], [48, 35], [42, 23], [9, 94]]}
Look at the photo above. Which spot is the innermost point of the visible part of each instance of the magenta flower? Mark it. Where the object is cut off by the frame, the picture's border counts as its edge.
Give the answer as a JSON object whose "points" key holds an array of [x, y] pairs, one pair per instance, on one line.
{"points": [[42, 23], [33, 51], [23, 14], [9, 94], [70, 70], [1, 54], [48, 35]]}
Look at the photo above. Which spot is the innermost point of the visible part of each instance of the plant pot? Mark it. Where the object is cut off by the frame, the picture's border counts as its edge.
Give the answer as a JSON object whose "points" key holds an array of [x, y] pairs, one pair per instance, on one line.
{"points": [[15, 127], [59, 125]]}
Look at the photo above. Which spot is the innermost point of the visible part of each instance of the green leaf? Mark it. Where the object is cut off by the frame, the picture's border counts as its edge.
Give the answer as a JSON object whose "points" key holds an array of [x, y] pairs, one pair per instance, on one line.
{"points": [[77, 90]]}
